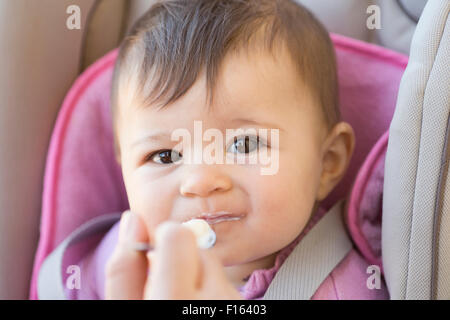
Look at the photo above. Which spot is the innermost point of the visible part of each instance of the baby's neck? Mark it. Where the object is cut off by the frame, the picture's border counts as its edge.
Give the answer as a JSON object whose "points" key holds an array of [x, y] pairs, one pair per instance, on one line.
{"points": [[239, 274]]}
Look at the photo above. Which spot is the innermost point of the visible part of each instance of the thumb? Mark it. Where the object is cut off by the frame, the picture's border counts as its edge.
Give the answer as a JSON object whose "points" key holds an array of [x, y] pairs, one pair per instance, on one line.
{"points": [[126, 270]]}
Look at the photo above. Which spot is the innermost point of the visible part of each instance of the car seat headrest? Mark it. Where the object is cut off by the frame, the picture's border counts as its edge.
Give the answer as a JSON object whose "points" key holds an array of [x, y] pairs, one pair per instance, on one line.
{"points": [[416, 210]]}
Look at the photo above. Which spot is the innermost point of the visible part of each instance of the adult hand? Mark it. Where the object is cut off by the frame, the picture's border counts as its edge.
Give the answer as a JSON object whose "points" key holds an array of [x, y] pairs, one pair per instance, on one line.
{"points": [[179, 269]]}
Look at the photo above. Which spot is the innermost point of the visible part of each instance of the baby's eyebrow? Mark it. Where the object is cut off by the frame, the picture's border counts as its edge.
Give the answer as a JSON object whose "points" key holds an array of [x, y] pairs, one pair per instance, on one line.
{"points": [[158, 136], [155, 137], [255, 122]]}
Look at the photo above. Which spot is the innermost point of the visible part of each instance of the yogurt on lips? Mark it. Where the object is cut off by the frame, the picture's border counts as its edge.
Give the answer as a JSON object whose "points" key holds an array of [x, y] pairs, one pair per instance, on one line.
{"points": [[201, 226], [213, 218]]}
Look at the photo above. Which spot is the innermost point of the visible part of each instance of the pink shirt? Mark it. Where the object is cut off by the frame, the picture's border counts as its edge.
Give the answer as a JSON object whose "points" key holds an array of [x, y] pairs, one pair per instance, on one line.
{"points": [[347, 281]]}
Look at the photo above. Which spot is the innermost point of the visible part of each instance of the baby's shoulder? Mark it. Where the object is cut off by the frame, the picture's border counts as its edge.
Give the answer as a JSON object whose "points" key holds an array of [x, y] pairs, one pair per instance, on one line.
{"points": [[93, 264]]}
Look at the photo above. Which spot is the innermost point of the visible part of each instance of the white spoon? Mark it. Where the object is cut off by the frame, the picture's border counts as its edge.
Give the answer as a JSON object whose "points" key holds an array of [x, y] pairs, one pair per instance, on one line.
{"points": [[206, 237]]}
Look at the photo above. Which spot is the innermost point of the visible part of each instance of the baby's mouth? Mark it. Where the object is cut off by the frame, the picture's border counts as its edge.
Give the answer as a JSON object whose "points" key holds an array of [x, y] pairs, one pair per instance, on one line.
{"points": [[218, 217]]}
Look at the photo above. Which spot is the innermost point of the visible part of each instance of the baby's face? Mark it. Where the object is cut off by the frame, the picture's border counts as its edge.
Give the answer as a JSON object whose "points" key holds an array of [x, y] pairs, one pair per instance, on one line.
{"points": [[253, 91]]}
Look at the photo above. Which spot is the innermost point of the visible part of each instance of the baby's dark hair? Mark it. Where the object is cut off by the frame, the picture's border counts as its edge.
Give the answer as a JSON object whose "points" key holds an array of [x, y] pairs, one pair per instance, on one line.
{"points": [[176, 40]]}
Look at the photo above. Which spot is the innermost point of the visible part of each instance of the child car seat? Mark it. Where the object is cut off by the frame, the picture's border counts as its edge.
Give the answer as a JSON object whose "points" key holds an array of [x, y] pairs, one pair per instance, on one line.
{"points": [[83, 181], [19, 222]]}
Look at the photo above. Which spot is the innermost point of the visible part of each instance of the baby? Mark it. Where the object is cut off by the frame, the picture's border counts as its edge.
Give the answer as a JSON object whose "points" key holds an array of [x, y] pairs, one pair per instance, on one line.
{"points": [[226, 65]]}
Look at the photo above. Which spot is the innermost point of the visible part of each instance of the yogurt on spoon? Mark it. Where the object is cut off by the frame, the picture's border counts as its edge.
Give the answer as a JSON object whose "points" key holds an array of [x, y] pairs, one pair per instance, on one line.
{"points": [[205, 236]]}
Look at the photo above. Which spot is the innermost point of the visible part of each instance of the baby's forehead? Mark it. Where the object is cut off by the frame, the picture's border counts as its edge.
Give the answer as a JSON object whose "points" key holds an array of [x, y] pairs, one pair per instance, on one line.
{"points": [[246, 79]]}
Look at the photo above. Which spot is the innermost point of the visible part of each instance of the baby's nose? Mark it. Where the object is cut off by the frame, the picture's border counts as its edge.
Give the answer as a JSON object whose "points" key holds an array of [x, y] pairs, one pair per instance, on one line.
{"points": [[203, 180]]}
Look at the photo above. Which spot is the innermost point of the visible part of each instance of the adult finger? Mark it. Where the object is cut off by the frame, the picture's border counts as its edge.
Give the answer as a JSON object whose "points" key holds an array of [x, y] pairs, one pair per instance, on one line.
{"points": [[126, 270], [175, 264], [214, 282]]}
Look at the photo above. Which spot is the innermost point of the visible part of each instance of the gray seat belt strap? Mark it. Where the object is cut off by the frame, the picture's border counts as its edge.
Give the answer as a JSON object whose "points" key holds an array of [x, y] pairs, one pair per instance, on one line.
{"points": [[50, 280], [312, 260]]}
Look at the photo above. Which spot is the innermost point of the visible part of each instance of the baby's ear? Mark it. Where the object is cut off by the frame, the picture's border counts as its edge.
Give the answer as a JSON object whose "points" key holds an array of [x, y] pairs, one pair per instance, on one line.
{"points": [[336, 155]]}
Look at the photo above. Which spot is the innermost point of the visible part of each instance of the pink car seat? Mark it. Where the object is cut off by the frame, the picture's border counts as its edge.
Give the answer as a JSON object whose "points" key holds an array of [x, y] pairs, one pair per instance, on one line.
{"points": [[83, 180]]}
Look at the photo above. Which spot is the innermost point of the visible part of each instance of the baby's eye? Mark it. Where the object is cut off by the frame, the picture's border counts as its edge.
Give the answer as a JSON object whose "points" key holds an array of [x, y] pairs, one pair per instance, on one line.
{"points": [[165, 156], [244, 144]]}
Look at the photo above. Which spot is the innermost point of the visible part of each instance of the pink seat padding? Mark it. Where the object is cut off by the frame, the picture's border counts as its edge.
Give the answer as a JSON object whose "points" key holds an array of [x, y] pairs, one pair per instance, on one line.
{"points": [[82, 179], [364, 207]]}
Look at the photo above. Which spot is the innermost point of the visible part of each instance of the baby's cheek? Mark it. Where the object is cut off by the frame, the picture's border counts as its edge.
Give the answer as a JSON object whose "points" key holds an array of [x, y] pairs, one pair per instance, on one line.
{"points": [[287, 200], [151, 205]]}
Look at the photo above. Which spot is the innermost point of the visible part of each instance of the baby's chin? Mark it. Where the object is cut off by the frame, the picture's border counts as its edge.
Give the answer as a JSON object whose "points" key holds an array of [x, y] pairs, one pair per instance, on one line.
{"points": [[235, 255], [236, 244]]}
